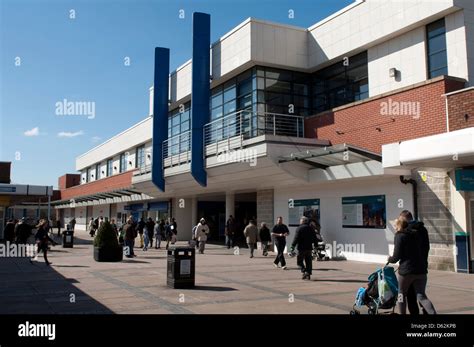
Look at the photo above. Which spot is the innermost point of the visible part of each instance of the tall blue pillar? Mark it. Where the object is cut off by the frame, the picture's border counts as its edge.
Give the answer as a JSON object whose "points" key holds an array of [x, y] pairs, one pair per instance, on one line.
{"points": [[160, 114], [200, 93]]}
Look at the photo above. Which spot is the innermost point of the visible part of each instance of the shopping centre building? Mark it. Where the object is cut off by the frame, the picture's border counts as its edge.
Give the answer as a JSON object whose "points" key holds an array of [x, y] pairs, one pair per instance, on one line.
{"points": [[364, 114]]}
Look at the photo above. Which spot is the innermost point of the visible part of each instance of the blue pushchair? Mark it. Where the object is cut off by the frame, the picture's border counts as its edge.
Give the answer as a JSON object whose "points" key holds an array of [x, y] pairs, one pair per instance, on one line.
{"points": [[381, 292]]}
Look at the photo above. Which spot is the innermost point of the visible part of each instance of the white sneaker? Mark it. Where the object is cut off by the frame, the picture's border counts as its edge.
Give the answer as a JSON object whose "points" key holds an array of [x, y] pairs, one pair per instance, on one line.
{"points": [[284, 268], [275, 265]]}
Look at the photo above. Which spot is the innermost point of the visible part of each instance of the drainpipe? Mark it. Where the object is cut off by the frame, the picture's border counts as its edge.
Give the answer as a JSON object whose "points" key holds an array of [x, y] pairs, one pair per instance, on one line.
{"points": [[415, 194]]}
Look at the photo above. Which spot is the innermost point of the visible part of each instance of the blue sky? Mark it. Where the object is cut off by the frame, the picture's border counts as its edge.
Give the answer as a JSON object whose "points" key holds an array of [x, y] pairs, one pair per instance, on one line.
{"points": [[46, 56]]}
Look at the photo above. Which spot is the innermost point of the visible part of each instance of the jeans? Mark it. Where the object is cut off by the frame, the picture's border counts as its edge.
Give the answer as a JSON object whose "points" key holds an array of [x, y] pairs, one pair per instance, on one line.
{"points": [[252, 247], [202, 246], [419, 285], [280, 258], [305, 260], [158, 240], [229, 241], [265, 247], [146, 241]]}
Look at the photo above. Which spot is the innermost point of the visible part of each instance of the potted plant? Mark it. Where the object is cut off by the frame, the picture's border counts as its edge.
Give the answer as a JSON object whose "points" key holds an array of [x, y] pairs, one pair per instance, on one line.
{"points": [[106, 246]]}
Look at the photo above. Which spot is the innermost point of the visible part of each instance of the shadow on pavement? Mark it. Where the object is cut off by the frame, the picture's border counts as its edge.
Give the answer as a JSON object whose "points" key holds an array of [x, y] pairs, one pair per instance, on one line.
{"points": [[35, 288]]}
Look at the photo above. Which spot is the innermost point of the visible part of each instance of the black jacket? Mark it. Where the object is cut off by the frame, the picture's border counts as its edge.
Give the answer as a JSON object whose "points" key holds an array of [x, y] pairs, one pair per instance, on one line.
{"points": [[412, 246], [305, 238], [265, 234], [280, 229]]}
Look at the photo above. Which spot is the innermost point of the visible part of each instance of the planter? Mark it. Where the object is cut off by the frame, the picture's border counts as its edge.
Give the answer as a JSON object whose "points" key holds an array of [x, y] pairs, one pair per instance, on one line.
{"points": [[107, 254]]}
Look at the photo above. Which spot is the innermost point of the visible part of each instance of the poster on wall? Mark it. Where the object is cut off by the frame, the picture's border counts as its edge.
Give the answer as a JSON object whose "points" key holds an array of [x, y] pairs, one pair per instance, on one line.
{"points": [[364, 212], [297, 208]]}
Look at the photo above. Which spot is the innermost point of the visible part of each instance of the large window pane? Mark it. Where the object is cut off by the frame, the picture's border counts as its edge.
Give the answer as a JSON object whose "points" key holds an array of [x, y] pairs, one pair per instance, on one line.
{"points": [[216, 113], [244, 87], [230, 107], [229, 92], [277, 86]]}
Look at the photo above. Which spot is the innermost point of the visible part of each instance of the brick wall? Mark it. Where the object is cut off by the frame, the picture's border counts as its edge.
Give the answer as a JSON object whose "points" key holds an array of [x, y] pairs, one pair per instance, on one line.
{"points": [[5, 169], [69, 180], [459, 105], [120, 181], [363, 123], [434, 200]]}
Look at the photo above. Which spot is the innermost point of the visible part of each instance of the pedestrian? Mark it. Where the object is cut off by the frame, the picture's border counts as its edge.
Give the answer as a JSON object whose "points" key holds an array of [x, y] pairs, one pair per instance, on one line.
{"points": [[230, 232], [101, 221], [141, 227], [159, 231], [114, 226], [174, 227], [146, 239], [22, 231], [9, 231], [58, 225], [130, 234], [202, 231], [92, 227], [73, 224], [411, 249], [42, 238], [251, 236], [150, 226], [168, 233], [304, 240], [265, 238], [280, 232]]}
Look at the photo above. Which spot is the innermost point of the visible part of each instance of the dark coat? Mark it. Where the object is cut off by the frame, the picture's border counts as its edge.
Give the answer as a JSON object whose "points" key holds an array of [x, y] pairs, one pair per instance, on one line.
{"points": [[265, 234], [129, 231], [412, 246], [305, 238]]}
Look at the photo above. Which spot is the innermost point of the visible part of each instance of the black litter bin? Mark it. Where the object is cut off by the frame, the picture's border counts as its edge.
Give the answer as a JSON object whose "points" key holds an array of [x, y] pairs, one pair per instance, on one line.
{"points": [[181, 267], [68, 238]]}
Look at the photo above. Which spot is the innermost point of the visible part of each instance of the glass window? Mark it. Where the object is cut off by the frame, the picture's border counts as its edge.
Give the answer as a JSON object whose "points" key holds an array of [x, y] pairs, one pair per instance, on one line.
{"points": [[245, 101], [123, 162], [109, 167], [140, 157], [277, 86], [436, 49], [244, 87], [216, 113], [229, 92], [229, 107], [282, 75], [97, 171]]}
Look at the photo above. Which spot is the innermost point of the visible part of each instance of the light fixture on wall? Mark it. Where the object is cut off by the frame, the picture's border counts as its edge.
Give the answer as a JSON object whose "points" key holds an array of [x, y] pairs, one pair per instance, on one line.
{"points": [[115, 168], [148, 156], [129, 163], [103, 172], [393, 72]]}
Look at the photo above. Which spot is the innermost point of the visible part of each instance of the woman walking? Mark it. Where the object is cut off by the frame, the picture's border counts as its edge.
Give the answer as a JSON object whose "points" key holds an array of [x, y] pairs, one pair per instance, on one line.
{"points": [[42, 238]]}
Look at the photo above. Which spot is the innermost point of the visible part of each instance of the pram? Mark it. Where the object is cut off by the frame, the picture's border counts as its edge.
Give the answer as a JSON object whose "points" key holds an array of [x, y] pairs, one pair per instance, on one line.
{"points": [[381, 292], [319, 252]]}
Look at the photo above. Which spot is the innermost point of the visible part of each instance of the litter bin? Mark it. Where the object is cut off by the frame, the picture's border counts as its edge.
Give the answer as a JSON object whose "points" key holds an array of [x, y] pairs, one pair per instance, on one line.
{"points": [[181, 267], [68, 238]]}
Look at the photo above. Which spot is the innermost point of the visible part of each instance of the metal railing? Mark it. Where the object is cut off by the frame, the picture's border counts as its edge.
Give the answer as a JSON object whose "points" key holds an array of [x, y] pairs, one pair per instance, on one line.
{"points": [[177, 150], [231, 130]]}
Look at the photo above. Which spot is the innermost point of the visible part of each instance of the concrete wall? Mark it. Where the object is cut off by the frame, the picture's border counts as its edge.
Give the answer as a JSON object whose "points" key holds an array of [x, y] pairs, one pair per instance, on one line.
{"points": [[275, 44], [265, 207], [183, 217], [378, 243], [406, 53]]}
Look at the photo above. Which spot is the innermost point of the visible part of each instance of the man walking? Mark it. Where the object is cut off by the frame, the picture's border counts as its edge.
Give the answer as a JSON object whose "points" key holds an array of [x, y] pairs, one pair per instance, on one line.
{"points": [[251, 236], [229, 232], [202, 230], [129, 231], [280, 232], [305, 238]]}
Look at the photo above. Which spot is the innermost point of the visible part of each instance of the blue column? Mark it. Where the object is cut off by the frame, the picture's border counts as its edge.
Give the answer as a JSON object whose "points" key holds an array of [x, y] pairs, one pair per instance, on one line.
{"points": [[200, 93], [160, 114]]}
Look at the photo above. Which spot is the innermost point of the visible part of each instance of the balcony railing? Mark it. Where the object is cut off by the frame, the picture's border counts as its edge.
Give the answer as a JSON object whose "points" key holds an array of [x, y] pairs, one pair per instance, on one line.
{"points": [[177, 150], [231, 130]]}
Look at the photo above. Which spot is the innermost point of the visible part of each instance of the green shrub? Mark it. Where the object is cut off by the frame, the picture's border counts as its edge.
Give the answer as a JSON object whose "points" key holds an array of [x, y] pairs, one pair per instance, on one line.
{"points": [[106, 236]]}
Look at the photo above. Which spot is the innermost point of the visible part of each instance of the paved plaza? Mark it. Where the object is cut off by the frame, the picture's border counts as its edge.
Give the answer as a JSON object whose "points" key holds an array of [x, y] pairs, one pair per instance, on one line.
{"points": [[225, 283]]}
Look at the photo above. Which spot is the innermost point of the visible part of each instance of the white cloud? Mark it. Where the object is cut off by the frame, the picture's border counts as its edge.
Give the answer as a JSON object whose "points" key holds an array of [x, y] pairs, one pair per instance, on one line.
{"points": [[70, 134], [96, 139], [32, 132]]}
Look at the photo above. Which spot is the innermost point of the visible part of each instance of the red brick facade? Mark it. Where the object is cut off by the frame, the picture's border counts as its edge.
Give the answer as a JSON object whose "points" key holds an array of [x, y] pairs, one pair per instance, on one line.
{"points": [[68, 180], [120, 181], [461, 110], [376, 121]]}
